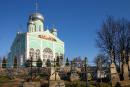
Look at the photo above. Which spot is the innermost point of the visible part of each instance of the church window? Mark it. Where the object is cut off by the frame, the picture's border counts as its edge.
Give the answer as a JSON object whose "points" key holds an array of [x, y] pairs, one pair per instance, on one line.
{"points": [[37, 53], [47, 53], [31, 53]]}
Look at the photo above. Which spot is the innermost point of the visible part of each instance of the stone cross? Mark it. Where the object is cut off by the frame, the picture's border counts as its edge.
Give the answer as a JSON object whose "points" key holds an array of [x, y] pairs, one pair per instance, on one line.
{"points": [[54, 74]]}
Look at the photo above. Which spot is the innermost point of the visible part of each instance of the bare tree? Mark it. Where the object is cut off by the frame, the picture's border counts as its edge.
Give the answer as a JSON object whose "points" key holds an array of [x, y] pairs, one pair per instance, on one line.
{"points": [[101, 61], [114, 38]]}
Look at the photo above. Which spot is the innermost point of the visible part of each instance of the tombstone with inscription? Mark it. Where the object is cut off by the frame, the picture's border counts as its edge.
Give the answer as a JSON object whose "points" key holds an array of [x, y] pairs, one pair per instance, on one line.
{"points": [[55, 80], [114, 75]]}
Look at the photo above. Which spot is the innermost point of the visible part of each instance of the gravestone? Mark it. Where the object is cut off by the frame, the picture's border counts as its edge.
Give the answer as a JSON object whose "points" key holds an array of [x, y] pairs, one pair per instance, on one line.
{"points": [[125, 72], [55, 80], [125, 67], [54, 75], [114, 75]]}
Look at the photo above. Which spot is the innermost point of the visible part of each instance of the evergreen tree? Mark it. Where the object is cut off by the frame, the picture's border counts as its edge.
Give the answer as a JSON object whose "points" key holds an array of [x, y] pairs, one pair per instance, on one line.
{"points": [[28, 63], [67, 62], [39, 63], [48, 63], [58, 61], [4, 63], [15, 62]]}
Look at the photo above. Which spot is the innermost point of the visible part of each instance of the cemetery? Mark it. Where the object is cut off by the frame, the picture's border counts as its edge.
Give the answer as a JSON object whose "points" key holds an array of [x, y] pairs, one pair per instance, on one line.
{"points": [[69, 74], [37, 56]]}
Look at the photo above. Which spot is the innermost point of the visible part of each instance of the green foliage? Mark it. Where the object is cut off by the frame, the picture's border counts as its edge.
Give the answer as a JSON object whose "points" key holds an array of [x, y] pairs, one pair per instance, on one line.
{"points": [[39, 63], [58, 61], [27, 63], [103, 85], [4, 79], [15, 62], [76, 84], [4, 63], [67, 62], [48, 63]]}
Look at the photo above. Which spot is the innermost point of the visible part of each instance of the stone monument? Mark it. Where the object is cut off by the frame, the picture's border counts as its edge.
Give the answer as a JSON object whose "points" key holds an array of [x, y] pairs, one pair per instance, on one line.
{"points": [[55, 80], [54, 75], [125, 68], [114, 75], [125, 72]]}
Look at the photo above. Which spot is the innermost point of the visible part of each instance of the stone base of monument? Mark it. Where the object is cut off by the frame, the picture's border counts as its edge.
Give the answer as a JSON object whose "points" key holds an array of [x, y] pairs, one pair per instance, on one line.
{"points": [[31, 84], [55, 80], [114, 75], [125, 83], [125, 72]]}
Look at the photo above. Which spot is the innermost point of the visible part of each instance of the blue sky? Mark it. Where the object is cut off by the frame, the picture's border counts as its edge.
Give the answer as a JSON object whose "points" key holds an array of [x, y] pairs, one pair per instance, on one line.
{"points": [[77, 21]]}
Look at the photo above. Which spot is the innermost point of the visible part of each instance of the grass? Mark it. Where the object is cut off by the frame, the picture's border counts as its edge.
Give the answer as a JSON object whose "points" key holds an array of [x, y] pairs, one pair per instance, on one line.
{"points": [[4, 79], [83, 84]]}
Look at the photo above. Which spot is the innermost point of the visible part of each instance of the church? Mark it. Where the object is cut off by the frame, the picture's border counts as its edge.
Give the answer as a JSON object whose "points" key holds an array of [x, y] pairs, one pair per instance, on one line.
{"points": [[37, 42]]}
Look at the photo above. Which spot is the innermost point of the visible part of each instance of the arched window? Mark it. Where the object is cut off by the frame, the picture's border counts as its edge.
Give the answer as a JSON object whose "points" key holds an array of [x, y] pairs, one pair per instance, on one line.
{"points": [[31, 53], [47, 53], [56, 55], [37, 54]]}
